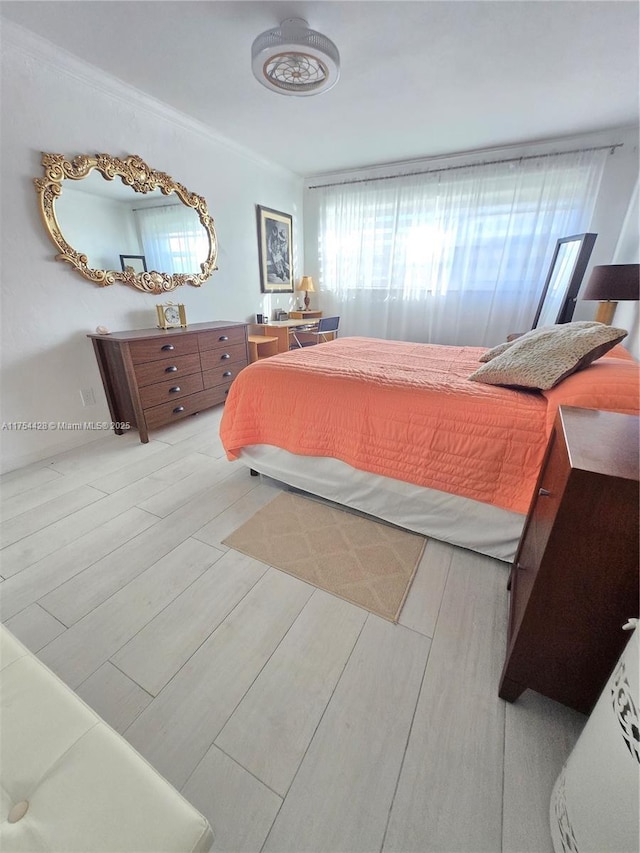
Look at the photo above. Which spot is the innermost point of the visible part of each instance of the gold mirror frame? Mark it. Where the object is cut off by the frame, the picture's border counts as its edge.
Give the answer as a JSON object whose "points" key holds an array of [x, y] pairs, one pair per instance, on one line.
{"points": [[136, 174]]}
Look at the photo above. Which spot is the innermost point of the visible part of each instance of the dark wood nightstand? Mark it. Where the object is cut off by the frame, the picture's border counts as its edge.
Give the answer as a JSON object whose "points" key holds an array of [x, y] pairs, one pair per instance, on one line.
{"points": [[574, 581]]}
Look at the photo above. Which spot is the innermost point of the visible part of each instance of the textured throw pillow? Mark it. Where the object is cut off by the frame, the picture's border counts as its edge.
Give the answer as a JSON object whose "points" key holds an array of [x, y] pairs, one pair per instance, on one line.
{"points": [[500, 348], [542, 358]]}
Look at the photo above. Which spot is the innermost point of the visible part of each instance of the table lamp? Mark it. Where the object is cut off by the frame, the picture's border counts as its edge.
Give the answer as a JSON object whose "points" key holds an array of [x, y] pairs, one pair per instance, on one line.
{"points": [[611, 284], [306, 285]]}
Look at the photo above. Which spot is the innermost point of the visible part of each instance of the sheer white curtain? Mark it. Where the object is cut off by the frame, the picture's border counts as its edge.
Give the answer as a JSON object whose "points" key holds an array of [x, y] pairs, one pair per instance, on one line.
{"points": [[454, 256], [172, 237]]}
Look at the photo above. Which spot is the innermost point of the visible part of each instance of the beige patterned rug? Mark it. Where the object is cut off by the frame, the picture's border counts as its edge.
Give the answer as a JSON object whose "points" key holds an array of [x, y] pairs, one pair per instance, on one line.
{"points": [[363, 561]]}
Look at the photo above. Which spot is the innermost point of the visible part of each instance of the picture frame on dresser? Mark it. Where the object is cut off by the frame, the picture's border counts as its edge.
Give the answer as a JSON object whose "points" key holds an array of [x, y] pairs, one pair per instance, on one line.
{"points": [[275, 249], [138, 263]]}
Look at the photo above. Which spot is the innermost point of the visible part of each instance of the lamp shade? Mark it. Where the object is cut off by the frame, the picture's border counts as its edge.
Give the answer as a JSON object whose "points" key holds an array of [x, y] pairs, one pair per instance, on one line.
{"points": [[614, 283], [306, 284]]}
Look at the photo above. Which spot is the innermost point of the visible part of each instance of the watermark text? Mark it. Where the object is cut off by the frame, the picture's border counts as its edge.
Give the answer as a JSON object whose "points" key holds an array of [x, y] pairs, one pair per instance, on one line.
{"points": [[63, 425]]}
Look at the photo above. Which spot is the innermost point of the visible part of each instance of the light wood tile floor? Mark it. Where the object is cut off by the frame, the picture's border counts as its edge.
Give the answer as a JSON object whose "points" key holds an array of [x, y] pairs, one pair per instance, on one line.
{"points": [[293, 720]]}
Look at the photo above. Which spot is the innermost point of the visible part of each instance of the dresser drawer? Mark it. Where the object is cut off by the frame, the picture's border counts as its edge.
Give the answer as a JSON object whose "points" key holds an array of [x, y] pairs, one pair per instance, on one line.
{"points": [[166, 413], [157, 348], [161, 370], [222, 337], [224, 373], [173, 389], [224, 355]]}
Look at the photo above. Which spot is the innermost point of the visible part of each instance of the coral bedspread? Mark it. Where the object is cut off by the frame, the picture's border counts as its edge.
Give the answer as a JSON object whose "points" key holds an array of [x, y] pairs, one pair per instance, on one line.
{"points": [[402, 410]]}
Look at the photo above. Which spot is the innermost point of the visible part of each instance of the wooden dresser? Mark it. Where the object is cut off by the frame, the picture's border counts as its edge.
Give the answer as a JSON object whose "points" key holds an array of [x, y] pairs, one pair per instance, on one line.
{"points": [[574, 581], [154, 376]]}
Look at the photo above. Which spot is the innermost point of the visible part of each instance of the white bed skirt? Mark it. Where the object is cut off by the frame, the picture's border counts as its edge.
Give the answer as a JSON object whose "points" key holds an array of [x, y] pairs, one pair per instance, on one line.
{"points": [[460, 521]]}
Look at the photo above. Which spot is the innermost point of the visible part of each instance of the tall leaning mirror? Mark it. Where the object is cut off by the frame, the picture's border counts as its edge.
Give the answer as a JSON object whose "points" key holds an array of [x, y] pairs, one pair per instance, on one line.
{"points": [[118, 219]]}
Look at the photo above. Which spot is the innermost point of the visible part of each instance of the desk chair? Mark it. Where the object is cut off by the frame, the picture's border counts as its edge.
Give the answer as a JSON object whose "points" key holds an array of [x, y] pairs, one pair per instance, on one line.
{"points": [[324, 327]]}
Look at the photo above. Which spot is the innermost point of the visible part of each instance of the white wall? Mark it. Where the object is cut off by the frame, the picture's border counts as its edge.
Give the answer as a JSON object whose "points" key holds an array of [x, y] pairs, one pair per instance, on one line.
{"points": [[627, 314], [52, 102]]}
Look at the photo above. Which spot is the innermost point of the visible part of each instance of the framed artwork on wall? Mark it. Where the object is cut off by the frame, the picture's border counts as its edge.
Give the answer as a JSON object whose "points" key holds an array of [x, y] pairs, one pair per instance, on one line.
{"points": [[275, 245]]}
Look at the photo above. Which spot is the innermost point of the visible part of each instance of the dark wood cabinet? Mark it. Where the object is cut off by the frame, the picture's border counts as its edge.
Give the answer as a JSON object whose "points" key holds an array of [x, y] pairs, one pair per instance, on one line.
{"points": [[574, 580], [155, 376]]}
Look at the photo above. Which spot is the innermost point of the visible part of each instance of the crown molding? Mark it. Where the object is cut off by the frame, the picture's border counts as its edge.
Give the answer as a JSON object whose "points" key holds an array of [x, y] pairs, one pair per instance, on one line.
{"points": [[32, 46]]}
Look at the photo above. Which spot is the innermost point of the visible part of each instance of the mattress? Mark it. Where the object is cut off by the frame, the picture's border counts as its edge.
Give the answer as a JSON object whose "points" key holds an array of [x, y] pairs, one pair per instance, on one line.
{"points": [[398, 431], [450, 518], [400, 410]]}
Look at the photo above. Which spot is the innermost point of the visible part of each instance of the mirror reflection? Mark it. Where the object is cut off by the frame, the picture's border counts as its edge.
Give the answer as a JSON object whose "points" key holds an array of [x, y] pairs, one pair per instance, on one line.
{"points": [[118, 219], [105, 219]]}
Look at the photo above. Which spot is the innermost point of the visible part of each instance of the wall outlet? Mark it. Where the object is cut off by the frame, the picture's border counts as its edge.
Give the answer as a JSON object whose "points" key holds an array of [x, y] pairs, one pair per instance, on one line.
{"points": [[88, 397]]}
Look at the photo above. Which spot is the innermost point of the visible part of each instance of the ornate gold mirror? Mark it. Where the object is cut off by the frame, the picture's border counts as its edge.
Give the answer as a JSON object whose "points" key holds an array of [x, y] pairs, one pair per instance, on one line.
{"points": [[144, 230]]}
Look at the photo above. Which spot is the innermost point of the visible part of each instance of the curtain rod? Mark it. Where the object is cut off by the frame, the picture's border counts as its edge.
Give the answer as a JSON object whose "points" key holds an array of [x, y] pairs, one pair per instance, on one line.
{"points": [[157, 206], [467, 166]]}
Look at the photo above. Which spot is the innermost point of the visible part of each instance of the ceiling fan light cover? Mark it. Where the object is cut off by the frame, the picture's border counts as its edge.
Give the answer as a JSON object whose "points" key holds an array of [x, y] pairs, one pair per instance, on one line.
{"points": [[294, 60]]}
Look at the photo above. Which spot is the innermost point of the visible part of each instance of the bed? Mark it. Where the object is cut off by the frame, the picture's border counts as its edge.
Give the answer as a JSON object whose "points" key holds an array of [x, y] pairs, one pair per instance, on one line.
{"points": [[397, 430]]}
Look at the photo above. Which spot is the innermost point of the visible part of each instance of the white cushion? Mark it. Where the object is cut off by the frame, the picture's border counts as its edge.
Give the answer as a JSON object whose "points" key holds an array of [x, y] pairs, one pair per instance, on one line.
{"points": [[87, 789]]}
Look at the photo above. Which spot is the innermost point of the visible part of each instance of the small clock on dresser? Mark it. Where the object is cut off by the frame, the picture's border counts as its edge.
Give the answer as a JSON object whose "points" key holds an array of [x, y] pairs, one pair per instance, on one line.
{"points": [[171, 316]]}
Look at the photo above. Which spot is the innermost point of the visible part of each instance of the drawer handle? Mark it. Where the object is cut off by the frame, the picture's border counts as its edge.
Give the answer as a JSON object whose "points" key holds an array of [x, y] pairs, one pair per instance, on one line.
{"points": [[178, 409], [544, 493], [223, 338], [226, 374], [224, 355], [174, 390], [171, 369], [167, 347]]}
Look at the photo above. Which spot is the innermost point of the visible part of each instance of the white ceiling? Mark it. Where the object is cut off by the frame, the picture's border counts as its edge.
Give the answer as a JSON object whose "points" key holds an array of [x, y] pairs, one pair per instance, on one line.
{"points": [[418, 78]]}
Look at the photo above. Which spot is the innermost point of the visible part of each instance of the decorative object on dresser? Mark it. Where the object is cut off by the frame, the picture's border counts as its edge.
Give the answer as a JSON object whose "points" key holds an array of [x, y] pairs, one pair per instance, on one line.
{"points": [[67, 218], [138, 263], [154, 377], [574, 580], [171, 316], [306, 286], [611, 284], [275, 245]]}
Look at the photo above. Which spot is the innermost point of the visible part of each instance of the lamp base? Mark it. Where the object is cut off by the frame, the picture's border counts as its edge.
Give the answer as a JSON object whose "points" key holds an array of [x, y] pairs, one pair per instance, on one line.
{"points": [[605, 312], [307, 302]]}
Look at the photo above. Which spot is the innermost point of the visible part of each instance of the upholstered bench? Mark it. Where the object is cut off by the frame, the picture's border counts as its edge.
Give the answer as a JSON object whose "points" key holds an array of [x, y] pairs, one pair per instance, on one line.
{"points": [[69, 782]]}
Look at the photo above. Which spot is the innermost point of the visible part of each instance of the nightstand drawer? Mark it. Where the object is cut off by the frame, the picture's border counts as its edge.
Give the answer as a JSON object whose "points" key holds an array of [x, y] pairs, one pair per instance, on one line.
{"points": [[156, 348], [223, 355], [161, 392], [173, 368], [223, 338]]}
